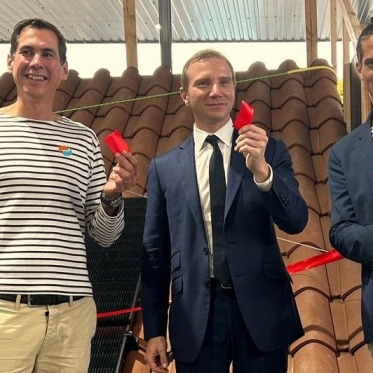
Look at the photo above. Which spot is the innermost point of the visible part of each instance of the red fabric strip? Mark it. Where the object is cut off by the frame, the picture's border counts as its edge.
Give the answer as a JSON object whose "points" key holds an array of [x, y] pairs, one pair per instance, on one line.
{"points": [[316, 261]]}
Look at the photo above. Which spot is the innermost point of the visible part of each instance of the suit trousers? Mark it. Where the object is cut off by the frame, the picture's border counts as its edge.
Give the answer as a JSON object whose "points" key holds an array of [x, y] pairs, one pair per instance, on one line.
{"points": [[228, 341], [46, 339]]}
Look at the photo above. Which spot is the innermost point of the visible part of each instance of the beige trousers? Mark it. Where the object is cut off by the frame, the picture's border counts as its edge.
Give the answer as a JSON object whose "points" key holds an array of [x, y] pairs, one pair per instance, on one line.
{"points": [[46, 339]]}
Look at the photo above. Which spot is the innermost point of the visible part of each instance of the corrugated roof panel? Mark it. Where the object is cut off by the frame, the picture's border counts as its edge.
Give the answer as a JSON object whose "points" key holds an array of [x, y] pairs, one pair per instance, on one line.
{"points": [[147, 17], [365, 9], [192, 20]]}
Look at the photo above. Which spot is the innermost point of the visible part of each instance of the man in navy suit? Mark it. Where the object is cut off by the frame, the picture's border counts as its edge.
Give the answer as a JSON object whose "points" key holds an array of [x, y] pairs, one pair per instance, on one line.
{"points": [[351, 188], [252, 319]]}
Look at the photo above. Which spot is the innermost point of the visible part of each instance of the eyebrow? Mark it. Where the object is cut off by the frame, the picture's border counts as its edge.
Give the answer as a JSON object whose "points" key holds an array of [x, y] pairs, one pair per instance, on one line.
{"points": [[368, 60], [208, 78], [42, 49]]}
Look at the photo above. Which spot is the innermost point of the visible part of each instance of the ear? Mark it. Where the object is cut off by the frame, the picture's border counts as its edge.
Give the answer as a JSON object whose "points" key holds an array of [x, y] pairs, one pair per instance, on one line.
{"points": [[65, 71], [358, 68], [9, 63], [184, 96]]}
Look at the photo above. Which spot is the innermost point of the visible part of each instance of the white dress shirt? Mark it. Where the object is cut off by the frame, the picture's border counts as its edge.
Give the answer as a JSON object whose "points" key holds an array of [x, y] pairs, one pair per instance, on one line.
{"points": [[203, 151]]}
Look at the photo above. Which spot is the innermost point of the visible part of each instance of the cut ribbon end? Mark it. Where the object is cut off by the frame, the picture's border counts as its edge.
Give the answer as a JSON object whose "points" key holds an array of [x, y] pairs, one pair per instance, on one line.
{"points": [[245, 116], [116, 143]]}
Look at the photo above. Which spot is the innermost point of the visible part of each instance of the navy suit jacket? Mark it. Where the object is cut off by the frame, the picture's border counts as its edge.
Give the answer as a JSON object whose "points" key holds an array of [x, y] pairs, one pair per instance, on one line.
{"points": [[175, 249], [351, 188]]}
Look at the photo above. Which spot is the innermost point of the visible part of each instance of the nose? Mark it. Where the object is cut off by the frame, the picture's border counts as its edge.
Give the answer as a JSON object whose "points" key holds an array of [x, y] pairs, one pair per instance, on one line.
{"points": [[215, 89], [36, 60]]}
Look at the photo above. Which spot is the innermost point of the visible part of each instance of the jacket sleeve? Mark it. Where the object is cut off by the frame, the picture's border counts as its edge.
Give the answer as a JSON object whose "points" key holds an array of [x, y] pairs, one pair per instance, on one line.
{"points": [[104, 229], [348, 235], [155, 264], [284, 201]]}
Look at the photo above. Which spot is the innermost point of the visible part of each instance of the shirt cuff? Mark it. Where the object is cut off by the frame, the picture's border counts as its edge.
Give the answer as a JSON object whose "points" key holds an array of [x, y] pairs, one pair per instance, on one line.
{"points": [[265, 186]]}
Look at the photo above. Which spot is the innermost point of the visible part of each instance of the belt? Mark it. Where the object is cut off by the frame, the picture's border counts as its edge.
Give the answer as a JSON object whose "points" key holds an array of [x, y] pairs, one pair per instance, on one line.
{"points": [[40, 299], [215, 282]]}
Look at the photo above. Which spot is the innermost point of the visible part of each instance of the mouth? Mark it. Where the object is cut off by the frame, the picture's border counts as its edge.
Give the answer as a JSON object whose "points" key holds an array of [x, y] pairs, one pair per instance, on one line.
{"points": [[35, 77], [216, 105]]}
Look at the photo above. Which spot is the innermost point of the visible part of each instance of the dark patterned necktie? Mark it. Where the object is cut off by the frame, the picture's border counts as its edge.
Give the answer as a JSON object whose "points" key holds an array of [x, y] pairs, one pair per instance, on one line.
{"points": [[217, 203]]}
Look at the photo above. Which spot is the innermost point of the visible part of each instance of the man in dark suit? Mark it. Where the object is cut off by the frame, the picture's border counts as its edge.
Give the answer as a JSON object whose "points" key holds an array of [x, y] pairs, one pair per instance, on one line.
{"points": [[250, 318], [351, 188]]}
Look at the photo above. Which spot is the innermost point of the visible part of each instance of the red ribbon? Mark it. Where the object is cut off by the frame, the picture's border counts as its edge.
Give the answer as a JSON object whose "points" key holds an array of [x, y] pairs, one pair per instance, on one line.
{"points": [[116, 143], [318, 260], [120, 312], [245, 116]]}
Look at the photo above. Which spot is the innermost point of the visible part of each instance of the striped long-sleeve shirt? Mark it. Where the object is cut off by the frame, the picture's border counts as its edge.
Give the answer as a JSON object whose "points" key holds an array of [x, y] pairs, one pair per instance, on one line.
{"points": [[51, 177]]}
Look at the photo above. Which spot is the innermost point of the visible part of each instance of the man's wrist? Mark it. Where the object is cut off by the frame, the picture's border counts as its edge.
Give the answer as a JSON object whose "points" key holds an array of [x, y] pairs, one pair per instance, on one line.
{"points": [[112, 201], [267, 184]]}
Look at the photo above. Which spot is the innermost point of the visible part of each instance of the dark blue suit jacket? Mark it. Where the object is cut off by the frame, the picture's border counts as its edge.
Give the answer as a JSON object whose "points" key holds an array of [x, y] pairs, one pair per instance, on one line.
{"points": [[175, 248], [351, 188]]}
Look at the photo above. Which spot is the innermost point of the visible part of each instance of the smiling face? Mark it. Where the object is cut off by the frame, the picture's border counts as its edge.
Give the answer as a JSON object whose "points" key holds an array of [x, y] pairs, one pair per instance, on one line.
{"points": [[36, 66], [210, 92]]}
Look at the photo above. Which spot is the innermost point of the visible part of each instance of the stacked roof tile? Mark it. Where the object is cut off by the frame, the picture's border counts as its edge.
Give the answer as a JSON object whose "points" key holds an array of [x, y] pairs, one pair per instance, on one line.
{"points": [[300, 106]]}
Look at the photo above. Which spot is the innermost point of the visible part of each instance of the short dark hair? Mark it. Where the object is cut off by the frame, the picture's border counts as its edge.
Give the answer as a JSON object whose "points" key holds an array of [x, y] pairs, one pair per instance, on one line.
{"points": [[38, 24], [365, 34], [204, 54]]}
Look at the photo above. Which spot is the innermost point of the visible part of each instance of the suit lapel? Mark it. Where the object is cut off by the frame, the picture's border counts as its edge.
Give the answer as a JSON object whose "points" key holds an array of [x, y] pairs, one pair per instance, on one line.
{"points": [[187, 168], [363, 152], [236, 171]]}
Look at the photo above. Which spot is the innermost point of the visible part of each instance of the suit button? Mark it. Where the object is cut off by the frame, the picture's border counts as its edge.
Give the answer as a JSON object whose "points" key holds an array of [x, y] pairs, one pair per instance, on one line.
{"points": [[206, 251], [207, 284]]}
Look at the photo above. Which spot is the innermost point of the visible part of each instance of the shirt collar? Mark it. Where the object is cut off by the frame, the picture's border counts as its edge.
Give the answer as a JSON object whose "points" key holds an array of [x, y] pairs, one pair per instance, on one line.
{"points": [[224, 133]]}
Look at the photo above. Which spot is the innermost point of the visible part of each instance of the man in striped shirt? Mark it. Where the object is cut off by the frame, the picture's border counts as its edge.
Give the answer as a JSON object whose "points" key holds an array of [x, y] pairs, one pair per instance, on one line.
{"points": [[52, 176]]}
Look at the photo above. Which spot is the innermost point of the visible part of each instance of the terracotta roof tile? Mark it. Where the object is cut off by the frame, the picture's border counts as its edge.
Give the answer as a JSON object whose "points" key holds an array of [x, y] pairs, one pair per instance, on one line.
{"points": [[288, 70], [362, 360], [296, 134], [323, 196], [257, 71], [313, 279], [300, 107], [123, 99], [344, 277], [258, 91], [262, 116], [326, 135], [115, 119], [316, 319], [289, 90], [337, 308], [162, 78], [293, 110], [8, 92], [100, 83], [320, 165], [130, 80], [326, 71], [150, 118], [322, 90], [353, 320], [314, 357], [327, 109], [302, 161], [70, 85], [325, 227], [175, 103], [175, 139]]}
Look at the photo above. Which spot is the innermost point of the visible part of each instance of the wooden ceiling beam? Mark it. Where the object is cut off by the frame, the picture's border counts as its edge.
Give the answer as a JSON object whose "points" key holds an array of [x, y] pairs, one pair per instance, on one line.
{"points": [[311, 30], [350, 20], [130, 35]]}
